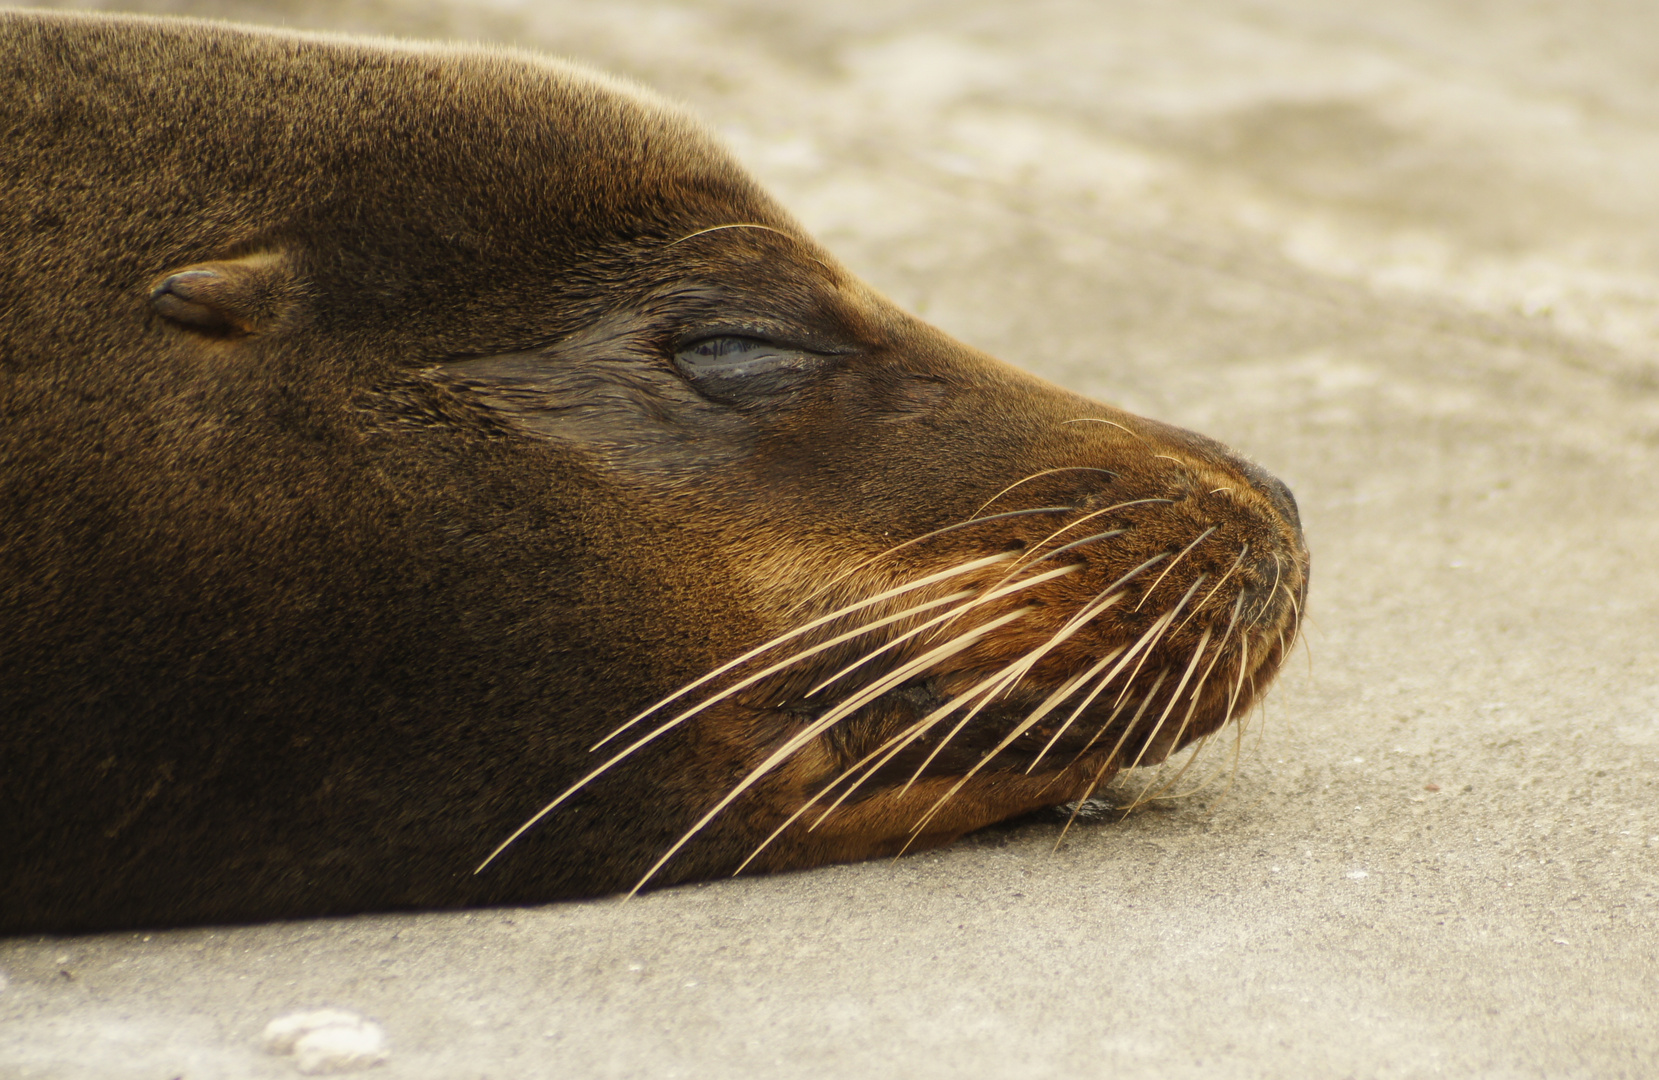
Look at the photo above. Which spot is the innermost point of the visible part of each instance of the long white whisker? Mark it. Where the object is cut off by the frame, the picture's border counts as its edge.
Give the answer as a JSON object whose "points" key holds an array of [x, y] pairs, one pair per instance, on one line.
{"points": [[1023, 727], [1039, 476], [1160, 626], [986, 688], [1109, 423], [1108, 534], [1134, 721], [1278, 571], [1174, 698], [1020, 667], [844, 575], [1083, 705], [1018, 670], [1243, 660], [931, 579], [1026, 556], [1142, 648], [821, 725], [1192, 702], [1003, 679], [990, 686], [1184, 552], [980, 601], [663, 729], [1198, 689], [1243, 551], [895, 744], [1106, 763], [1099, 687]]}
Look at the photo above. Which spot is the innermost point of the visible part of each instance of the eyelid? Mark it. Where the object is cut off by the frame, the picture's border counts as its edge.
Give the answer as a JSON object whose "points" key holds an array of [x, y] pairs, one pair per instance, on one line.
{"points": [[723, 365], [740, 351], [777, 337]]}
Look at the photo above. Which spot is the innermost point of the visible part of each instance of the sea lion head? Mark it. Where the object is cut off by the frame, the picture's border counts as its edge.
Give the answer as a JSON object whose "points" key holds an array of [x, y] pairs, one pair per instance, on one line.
{"points": [[568, 485]]}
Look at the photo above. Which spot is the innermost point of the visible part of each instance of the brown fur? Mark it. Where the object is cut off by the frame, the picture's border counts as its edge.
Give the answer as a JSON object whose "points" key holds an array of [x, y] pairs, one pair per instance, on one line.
{"points": [[352, 494]]}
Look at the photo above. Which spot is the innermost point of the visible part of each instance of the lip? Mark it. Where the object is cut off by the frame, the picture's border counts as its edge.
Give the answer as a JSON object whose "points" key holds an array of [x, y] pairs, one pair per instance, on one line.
{"points": [[1106, 726]]}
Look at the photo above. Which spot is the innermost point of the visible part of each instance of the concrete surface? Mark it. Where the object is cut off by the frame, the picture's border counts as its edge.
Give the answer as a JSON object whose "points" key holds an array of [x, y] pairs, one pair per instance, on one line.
{"points": [[1404, 254]]}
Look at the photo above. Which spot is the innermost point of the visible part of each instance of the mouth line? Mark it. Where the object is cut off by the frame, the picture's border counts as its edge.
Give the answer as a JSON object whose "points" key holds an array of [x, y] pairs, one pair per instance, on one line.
{"points": [[1064, 736]]}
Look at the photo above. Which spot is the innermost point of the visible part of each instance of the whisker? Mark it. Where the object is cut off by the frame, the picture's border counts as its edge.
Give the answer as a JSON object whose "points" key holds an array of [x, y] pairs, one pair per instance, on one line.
{"points": [[1081, 707], [1196, 752], [1025, 726], [809, 597], [1160, 626], [1098, 420], [1079, 543], [1119, 582], [1106, 764], [1020, 668], [1003, 679], [1174, 698], [1148, 641], [994, 594], [931, 579], [841, 639], [1245, 550], [819, 726], [1029, 660], [1184, 552], [1142, 646], [733, 225], [1278, 573], [1025, 560], [1077, 806], [904, 738], [1090, 516], [1296, 626], [1106, 724], [1197, 691], [1243, 661], [895, 743], [1039, 476], [729, 691], [1134, 721]]}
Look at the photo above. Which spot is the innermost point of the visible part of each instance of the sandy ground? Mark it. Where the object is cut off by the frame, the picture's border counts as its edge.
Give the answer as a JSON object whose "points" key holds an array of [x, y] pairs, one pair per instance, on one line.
{"points": [[1407, 256]]}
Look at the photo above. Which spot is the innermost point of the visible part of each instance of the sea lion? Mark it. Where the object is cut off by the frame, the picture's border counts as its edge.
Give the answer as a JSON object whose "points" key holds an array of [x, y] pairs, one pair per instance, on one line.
{"points": [[410, 449]]}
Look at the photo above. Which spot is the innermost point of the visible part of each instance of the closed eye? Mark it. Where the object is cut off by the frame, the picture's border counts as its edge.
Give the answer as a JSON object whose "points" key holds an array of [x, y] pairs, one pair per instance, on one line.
{"points": [[727, 367]]}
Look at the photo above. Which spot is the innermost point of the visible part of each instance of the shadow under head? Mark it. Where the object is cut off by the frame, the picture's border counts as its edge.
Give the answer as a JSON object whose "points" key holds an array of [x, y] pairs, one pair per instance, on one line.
{"points": [[403, 444]]}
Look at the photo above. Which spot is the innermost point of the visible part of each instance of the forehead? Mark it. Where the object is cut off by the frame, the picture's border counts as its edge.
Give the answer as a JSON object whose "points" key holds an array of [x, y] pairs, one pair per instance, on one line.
{"points": [[208, 126]]}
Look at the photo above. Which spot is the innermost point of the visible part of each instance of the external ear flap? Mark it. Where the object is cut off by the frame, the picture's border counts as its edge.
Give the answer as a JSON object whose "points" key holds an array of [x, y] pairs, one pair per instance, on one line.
{"points": [[236, 296]]}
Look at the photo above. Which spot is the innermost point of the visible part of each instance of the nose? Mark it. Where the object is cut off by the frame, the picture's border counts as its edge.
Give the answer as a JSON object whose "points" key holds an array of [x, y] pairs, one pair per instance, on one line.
{"points": [[1265, 483], [1274, 488]]}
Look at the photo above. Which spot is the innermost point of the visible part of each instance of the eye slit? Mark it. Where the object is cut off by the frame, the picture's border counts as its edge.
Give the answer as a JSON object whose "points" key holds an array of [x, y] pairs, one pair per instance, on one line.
{"points": [[726, 358]]}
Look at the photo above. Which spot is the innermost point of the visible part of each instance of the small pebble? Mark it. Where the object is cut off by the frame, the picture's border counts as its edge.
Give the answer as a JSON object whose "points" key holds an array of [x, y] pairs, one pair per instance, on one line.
{"points": [[326, 1041]]}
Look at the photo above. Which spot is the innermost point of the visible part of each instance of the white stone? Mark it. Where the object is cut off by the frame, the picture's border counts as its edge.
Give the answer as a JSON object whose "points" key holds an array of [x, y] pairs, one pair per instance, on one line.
{"points": [[326, 1041]]}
